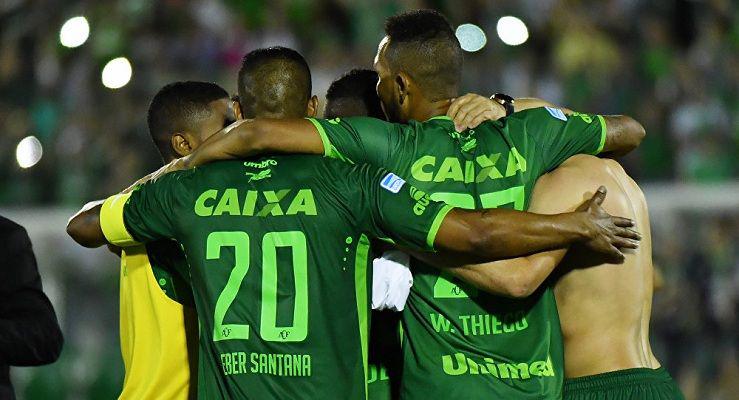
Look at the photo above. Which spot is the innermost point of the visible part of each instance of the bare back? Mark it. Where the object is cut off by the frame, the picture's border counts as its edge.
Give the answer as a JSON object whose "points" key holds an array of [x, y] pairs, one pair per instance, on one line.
{"points": [[604, 309]]}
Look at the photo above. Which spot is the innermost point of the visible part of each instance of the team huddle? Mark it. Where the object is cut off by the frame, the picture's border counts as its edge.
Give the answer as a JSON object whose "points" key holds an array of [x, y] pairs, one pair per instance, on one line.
{"points": [[411, 244]]}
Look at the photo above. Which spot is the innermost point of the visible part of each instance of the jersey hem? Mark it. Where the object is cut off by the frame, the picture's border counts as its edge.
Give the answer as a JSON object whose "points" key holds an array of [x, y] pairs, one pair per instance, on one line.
{"points": [[111, 221], [436, 224]]}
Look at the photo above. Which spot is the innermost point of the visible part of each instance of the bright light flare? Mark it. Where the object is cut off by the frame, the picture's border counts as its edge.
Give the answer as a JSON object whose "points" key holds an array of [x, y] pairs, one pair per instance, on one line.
{"points": [[74, 32], [471, 37], [28, 152], [512, 31], [117, 73]]}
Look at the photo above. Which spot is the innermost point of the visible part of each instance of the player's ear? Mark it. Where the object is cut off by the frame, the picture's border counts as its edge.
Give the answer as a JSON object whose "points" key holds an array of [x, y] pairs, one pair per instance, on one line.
{"points": [[181, 144], [401, 87], [312, 109]]}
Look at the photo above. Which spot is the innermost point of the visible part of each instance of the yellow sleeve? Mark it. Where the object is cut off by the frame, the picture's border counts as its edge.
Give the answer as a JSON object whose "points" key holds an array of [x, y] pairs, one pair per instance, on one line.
{"points": [[111, 221]]}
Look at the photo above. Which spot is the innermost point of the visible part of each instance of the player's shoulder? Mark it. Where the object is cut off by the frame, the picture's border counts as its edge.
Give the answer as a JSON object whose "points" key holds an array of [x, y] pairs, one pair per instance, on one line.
{"points": [[576, 168], [306, 161], [584, 171], [435, 130], [221, 169], [538, 114], [583, 163], [192, 180], [360, 121], [599, 169], [303, 167], [440, 123]]}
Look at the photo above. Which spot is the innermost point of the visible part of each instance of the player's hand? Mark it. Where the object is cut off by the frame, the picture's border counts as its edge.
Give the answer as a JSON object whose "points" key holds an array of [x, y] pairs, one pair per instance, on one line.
{"points": [[470, 110], [608, 235], [177, 164]]}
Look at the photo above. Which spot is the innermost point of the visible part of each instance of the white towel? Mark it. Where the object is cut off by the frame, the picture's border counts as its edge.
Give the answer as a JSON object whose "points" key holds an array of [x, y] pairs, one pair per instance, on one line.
{"points": [[391, 281]]}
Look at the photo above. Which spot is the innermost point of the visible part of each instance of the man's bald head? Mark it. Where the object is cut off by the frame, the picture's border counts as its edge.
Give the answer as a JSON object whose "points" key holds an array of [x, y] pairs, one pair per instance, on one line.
{"points": [[274, 82]]}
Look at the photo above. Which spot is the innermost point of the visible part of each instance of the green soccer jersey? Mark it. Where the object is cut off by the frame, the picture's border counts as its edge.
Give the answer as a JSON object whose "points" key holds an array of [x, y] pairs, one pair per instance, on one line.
{"points": [[459, 342], [167, 263], [277, 252]]}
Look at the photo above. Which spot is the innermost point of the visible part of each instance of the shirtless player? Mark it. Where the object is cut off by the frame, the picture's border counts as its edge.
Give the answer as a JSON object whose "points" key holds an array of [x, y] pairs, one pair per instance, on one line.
{"points": [[605, 311], [604, 308]]}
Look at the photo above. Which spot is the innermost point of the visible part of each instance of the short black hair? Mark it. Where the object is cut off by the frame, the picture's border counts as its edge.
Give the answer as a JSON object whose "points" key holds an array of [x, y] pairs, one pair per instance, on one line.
{"points": [[354, 94], [423, 44], [178, 107], [274, 82]]}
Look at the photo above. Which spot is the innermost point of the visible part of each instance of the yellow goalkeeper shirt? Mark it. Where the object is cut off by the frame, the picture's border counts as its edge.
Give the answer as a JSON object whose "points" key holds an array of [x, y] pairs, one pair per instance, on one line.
{"points": [[158, 334]]}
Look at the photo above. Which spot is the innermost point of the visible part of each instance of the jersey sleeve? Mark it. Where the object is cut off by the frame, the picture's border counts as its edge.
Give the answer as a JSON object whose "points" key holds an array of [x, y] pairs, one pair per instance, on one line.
{"points": [[361, 139], [143, 215], [392, 208], [561, 136]]}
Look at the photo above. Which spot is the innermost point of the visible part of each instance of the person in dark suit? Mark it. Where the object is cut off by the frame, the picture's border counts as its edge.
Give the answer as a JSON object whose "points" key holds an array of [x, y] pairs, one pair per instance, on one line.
{"points": [[29, 331]]}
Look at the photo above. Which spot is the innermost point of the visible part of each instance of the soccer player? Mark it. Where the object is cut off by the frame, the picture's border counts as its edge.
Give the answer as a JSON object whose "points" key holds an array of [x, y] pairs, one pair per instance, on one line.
{"points": [[275, 82], [354, 95], [605, 311], [181, 116], [158, 325], [495, 165], [312, 216], [277, 251], [602, 306]]}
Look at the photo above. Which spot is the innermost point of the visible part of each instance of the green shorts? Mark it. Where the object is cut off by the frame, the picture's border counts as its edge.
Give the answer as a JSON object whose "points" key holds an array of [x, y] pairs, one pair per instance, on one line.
{"points": [[628, 384]]}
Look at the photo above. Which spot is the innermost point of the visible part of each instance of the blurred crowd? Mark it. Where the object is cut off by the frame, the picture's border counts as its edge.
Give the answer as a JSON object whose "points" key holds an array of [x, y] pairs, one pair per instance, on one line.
{"points": [[694, 320], [672, 64]]}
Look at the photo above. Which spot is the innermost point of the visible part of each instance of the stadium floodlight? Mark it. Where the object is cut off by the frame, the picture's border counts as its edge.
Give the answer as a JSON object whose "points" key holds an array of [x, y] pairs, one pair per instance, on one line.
{"points": [[74, 32], [117, 73], [471, 37], [28, 152], [512, 31]]}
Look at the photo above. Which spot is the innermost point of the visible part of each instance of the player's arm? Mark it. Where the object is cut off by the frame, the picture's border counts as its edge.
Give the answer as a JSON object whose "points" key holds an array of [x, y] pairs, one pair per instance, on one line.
{"points": [[84, 226], [402, 212], [138, 216], [514, 278], [357, 139], [495, 234], [556, 192], [623, 134], [620, 133], [253, 137], [470, 110]]}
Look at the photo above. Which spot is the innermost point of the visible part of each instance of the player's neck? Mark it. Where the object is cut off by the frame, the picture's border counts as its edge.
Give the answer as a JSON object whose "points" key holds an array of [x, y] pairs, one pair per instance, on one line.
{"points": [[430, 109]]}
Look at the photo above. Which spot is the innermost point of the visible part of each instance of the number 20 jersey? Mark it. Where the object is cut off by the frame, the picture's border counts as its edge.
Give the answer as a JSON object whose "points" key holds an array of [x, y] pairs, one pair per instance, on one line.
{"points": [[460, 342], [277, 251]]}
